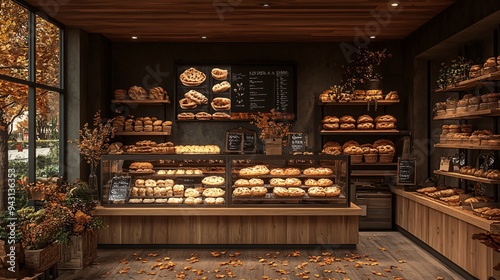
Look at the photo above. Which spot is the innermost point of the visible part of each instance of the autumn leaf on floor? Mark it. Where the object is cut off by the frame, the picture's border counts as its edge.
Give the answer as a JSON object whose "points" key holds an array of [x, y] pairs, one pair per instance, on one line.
{"points": [[106, 275], [327, 271], [294, 254], [262, 260], [188, 267], [169, 266], [141, 271], [230, 273], [219, 276], [358, 265], [215, 254], [338, 270], [166, 258], [193, 259], [316, 275], [387, 270], [402, 261], [314, 259], [152, 255], [397, 278], [382, 249], [266, 278], [326, 254], [282, 272], [123, 261], [439, 278], [303, 275], [301, 266], [285, 263], [379, 274], [134, 254], [151, 273], [124, 270], [180, 275], [156, 265]]}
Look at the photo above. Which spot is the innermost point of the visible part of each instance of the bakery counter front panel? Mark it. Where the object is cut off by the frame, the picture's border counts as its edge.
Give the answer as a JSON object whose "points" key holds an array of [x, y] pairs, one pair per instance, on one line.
{"points": [[224, 181]]}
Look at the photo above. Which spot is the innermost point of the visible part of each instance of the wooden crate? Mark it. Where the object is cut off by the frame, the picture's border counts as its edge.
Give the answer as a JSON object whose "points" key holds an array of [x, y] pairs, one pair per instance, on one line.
{"points": [[40, 260], [273, 146], [79, 253]]}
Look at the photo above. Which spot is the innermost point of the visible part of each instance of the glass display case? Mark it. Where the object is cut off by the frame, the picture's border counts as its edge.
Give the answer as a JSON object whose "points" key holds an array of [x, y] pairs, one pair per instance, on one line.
{"points": [[224, 181]]}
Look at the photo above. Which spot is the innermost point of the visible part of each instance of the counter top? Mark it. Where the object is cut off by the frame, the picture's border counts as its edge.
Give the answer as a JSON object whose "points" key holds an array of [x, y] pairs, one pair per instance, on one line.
{"points": [[353, 210], [454, 211]]}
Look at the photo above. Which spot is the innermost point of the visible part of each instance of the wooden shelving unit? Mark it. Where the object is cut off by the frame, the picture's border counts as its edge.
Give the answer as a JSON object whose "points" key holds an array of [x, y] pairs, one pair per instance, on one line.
{"points": [[471, 115], [358, 103], [127, 133], [472, 83], [364, 132], [468, 147], [373, 173], [146, 102], [467, 177]]}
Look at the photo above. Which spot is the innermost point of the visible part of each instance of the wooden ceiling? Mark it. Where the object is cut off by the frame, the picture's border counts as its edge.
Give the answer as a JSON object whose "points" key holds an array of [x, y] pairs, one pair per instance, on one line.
{"points": [[244, 20]]}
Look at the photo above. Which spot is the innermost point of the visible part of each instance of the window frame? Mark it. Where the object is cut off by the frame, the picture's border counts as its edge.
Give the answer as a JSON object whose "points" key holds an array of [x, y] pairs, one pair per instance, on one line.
{"points": [[33, 86]]}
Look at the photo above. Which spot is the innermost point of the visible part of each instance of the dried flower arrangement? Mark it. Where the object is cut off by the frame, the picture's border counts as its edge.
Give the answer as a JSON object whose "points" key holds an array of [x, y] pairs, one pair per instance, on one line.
{"points": [[360, 69], [270, 126], [95, 142], [454, 73]]}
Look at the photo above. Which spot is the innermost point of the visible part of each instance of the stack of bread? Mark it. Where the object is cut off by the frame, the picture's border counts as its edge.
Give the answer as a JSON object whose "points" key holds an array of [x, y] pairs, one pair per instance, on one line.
{"points": [[353, 149], [347, 122], [489, 101], [141, 167], [197, 149], [149, 147], [447, 196], [359, 94], [385, 122], [374, 94], [463, 135], [332, 148], [365, 122], [138, 93], [120, 94], [249, 187], [488, 212], [386, 150], [493, 174], [158, 93], [331, 123], [119, 123]]}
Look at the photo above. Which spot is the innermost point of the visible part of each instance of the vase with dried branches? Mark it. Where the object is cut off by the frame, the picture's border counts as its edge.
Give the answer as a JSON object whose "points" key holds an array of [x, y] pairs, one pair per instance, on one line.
{"points": [[273, 130]]}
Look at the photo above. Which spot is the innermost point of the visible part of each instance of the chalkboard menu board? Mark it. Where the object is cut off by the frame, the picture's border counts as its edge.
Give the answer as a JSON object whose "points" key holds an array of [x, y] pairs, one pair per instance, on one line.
{"points": [[297, 142], [234, 142], [250, 141], [120, 187], [241, 140], [406, 172], [248, 88]]}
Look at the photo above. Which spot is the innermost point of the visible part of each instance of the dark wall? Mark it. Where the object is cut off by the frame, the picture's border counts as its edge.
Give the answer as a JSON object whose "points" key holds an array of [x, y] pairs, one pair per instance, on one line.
{"points": [[318, 67]]}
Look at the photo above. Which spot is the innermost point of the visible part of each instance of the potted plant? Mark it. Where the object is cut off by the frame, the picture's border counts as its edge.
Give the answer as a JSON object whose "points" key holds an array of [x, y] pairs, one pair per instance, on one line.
{"points": [[273, 131], [362, 69]]}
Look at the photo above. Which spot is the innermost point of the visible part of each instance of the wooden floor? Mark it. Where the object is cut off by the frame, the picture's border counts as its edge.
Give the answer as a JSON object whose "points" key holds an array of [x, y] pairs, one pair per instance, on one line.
{"points": [[379, 255]]}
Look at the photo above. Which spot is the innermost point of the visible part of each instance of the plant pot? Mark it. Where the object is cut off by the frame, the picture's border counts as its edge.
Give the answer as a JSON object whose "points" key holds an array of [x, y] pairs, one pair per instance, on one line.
{"points": [[273, 146], [80, 252], [42, 259]]}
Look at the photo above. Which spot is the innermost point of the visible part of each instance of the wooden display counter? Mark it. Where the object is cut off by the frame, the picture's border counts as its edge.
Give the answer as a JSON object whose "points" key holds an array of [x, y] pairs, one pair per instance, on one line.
{"points": [[448, 230], [234, 226]]}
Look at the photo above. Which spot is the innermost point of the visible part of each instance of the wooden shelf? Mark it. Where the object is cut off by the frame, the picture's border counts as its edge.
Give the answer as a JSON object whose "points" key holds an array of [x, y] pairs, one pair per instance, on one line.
{"points": [[471, 115], [375, 164], [146, 102], [364, 132], [468, 147], [472, 83], [467, 177], [358, 103], [373, 173], [143, 133]]}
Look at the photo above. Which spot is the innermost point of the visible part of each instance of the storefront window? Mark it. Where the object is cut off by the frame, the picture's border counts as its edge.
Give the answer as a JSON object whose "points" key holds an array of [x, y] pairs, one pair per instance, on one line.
{"points": [[29, 144], [14, 127], [47, 131], [47, 52], [14, 38]]}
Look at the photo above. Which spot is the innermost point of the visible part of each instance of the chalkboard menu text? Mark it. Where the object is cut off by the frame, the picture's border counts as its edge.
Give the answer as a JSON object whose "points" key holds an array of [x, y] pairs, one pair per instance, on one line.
{"points": [[406, 172], [297, 142], [120, 187], [234, 142]]}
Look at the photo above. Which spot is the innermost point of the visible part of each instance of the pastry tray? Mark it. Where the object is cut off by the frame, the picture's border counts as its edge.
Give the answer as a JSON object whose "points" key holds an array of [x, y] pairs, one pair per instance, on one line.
{"points": [[477, 205]]}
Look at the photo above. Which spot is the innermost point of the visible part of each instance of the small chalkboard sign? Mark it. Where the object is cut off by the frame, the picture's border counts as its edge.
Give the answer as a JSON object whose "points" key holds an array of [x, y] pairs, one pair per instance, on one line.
{"points": [[249, 141], [120, 188], [406, 172], [234, 141], [297, 142]]}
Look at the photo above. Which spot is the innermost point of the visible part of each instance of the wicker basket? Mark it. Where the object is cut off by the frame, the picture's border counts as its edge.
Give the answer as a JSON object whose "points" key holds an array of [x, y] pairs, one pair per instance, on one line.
{"points": [[373, 158], [386, 158], [356, 158], [80, 253], [41, 260], [167, 129]]}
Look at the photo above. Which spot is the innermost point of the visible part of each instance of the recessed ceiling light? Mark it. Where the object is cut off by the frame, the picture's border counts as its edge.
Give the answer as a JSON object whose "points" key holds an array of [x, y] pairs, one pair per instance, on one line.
{"points": [[203, 37], [372, 37], [134, 37], [395, 4], [265, 5]]}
